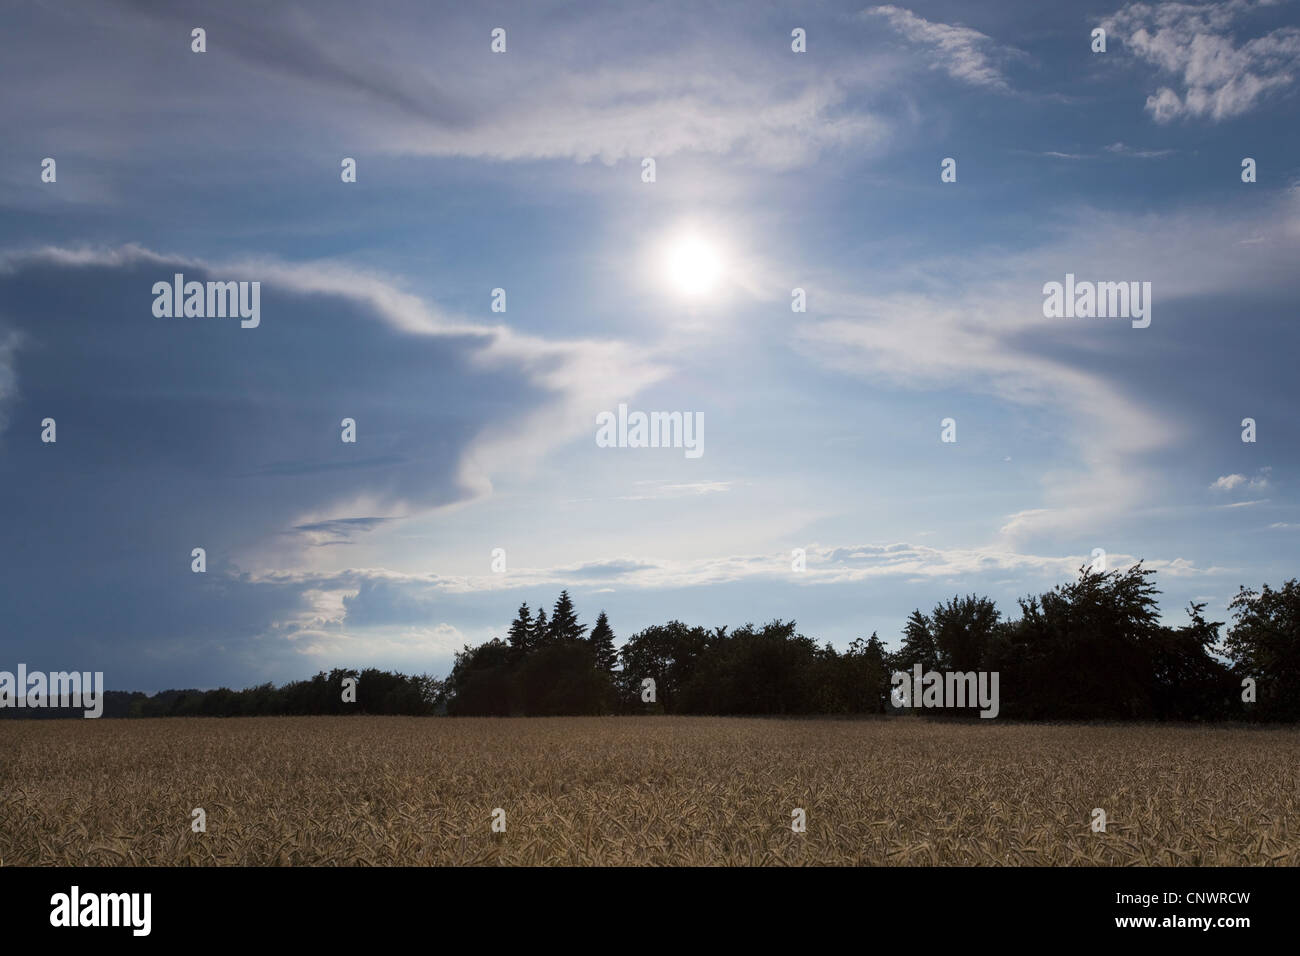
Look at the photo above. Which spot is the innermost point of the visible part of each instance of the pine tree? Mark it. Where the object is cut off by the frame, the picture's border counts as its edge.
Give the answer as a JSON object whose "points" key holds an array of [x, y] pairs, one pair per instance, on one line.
{"points": [[521, 632], [541, 632], [564, 621], [602, 643]]}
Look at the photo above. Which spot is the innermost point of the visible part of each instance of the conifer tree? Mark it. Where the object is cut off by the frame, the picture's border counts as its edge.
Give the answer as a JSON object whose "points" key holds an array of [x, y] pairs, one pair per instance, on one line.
{"points": [[564, 621], [541, 630], [602, 643], [521, 632]]}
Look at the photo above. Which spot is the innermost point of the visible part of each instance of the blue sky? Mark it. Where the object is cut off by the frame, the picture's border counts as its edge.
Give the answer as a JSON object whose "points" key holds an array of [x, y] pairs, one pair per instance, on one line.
{"points": [[523, 171]]}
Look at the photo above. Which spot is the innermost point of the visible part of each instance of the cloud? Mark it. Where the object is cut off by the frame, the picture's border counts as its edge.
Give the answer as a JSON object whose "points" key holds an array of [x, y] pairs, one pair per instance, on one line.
{"points": [[1215, 76], [338, 530], [408, 647], [975, 322], [616, 83], [653, 490], [1233, 482], [373, 596], [1120, 149], [1114, 149], [964, 54], [193, 432]]}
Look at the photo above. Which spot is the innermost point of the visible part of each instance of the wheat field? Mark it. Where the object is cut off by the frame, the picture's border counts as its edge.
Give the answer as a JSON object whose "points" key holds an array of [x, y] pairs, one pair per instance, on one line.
{"points": [[643, 791]]}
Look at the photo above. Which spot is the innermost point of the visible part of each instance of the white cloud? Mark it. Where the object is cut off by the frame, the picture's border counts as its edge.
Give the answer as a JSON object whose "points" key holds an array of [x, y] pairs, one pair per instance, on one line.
{"points": [[659, 489], [397, 644], [1120, 149], [967, 322], [1234, 481], [1213, 75], [627, 113], [617, 83], [1228, 482], [825, 566], [965, 54]]}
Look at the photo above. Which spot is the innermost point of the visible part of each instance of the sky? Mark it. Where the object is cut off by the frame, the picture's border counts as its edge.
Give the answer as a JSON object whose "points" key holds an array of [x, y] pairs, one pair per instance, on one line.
{"points": [[525, 171]]}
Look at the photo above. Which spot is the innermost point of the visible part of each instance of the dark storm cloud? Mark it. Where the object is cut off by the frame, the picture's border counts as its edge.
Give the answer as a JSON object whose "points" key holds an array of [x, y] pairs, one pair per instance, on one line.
{"points": [[174, 433]]}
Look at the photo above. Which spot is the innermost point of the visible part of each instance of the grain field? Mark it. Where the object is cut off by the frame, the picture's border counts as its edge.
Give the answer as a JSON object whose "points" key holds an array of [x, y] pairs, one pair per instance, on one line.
{"points": [[643, 791]]}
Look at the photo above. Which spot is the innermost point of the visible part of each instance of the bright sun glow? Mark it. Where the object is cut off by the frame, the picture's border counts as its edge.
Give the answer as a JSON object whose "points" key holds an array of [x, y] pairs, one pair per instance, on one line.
{"points": [[693, 265]]}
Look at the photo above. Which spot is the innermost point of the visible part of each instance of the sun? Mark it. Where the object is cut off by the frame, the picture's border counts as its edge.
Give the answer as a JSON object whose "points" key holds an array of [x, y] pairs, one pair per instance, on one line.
{"points": [[693, 265]]}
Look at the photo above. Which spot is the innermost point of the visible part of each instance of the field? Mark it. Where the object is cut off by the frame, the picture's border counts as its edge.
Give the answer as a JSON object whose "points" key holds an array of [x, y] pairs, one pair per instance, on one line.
{"points": [[650, 790]]}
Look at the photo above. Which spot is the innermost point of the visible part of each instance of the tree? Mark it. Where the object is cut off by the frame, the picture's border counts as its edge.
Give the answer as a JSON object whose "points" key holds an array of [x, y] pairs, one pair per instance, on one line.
{"points": [[962, 630], [602, 644], [1084, 650], [866, 675], [1264, 644], [768, 670], [480, 682], [1190, 682], [665, 653], [564, 622], [918, 646], [562, 678], [521, 632], [541, 630]]}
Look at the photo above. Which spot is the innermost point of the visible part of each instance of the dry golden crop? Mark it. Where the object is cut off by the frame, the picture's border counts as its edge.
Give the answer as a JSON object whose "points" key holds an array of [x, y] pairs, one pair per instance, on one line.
{"points": [[643, 790]]}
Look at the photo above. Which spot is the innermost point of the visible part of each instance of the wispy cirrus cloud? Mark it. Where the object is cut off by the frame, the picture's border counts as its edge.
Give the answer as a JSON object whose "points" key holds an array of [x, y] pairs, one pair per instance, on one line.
{"points": [[612, 84], [984, 328], [1121, 149], [654, 490], [963, 53], [1114, 149]]}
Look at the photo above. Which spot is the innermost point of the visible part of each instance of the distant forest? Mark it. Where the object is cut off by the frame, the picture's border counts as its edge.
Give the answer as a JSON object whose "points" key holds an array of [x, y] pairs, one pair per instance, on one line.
{"points": [[1090, 649]]}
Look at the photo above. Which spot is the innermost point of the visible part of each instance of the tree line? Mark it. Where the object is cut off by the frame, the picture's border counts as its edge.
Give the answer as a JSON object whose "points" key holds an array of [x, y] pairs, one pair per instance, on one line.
{"points": [[375, 692], [1094, 648]]}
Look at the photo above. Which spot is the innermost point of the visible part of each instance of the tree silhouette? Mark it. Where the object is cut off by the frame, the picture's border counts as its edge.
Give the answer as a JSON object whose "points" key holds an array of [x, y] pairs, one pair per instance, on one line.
{"points": [[602, 644], [666, 654], [564, 621], [521, 632], [541, 630], [918, 646], [1265, 643], [962, 631], [1094, 648]]}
